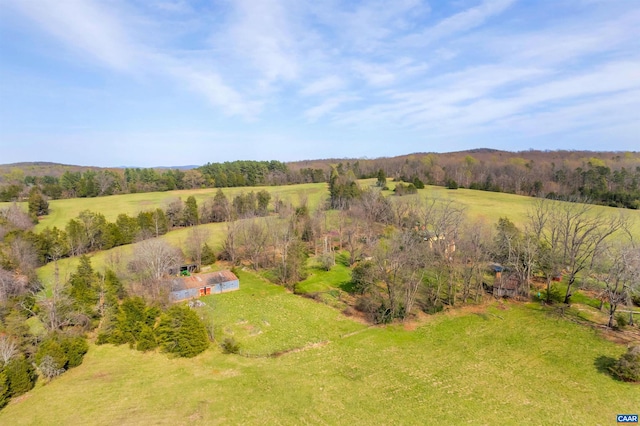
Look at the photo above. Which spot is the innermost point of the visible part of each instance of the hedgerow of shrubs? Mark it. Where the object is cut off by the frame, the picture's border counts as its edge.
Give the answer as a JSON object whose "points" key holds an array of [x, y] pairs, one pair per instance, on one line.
{"points": [[178, 331]]}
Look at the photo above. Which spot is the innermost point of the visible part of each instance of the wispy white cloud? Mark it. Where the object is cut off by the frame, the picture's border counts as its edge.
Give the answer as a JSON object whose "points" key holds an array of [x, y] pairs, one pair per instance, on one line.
{"points": [[323, 85], [86, 26], [445, 70], [111, 38], [462, 21], [261, 32], [328, 105], [369, 26]]}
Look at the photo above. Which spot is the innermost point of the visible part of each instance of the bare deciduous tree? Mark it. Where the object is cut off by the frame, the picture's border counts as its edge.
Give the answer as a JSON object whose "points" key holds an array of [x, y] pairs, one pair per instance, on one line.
{"points": [[618, 268], [399, 265], [254, 238], [196, 239], [23, 255], [441, 223], [152, 261], [8, 349], [11, 285], [571, 234], [16, 217], [473, 252], [154, 258], [230, 244], [55, 310]]}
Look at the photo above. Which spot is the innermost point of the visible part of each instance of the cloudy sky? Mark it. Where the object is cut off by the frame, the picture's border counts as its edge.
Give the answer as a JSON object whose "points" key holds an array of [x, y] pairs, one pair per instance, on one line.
{"points": [[173, 82]]}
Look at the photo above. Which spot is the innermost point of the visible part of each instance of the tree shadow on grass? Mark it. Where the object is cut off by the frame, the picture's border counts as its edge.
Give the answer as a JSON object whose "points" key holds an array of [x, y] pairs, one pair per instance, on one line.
{"points": [[603, 364], [347, 286]]}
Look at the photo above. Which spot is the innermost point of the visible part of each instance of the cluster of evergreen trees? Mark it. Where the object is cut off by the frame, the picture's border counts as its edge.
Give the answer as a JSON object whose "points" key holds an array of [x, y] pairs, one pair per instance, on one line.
{"points": [[90, 231], [68, 311], [177, 330], [101, 182]]}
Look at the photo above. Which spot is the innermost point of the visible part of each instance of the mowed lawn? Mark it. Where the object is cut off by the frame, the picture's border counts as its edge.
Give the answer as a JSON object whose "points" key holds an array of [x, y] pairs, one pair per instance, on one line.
{"points": [[503, 364]]}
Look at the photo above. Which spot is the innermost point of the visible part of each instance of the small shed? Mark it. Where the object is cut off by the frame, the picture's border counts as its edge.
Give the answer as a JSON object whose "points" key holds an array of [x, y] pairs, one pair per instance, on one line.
{"points": [[507, 286], [183, 270], [183, 288]]}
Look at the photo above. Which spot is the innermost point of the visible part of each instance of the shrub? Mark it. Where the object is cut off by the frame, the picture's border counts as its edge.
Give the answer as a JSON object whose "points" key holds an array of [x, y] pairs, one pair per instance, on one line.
{"points": [[49, 368], [362, 277], [147, 339], [20, 375], [74, 348], [433, 308], [230, 346], [51, 349], [555, 295], [402, 189], [621, 321], [327, 261], [627, 368]]}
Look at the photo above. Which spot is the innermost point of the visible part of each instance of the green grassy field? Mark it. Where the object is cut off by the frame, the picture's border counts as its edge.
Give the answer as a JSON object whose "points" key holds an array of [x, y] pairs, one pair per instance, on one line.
{"points": [[111, 206], [503, 364], [499, 364], [481, 205]]}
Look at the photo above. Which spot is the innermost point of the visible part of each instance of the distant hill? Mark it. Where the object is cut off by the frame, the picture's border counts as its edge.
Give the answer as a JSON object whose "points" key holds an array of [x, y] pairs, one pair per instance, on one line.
{"points": [[189, 167], [46, 168]]}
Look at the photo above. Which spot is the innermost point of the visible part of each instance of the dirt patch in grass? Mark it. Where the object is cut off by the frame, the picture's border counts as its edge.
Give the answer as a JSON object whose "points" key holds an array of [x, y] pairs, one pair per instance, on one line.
{"points": [[303, 348], [623, 337], [20, 398]]}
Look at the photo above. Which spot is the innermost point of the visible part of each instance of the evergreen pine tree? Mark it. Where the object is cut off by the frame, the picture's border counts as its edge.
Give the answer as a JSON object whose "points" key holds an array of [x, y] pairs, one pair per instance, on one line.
{"points": [[5, 395], [20, 376], [83, 287], [190, 213], [181, 332]]}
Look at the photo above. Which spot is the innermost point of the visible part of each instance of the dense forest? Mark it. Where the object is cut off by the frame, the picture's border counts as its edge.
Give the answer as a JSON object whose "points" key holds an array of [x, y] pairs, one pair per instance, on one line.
{"points": [[608, 178]]}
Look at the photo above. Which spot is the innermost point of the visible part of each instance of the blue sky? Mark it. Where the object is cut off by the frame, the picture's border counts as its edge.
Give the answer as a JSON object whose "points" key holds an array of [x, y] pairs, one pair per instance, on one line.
{"points": [[171, 82]]}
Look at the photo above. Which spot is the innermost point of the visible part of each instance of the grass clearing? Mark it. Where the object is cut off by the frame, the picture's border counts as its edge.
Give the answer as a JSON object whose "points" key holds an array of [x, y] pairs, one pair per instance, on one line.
{"points": [[61, 211], [507, 364], [482, 205]]}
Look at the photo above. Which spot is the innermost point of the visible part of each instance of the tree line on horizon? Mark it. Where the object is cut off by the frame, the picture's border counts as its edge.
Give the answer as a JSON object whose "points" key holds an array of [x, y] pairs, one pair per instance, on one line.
{"points": [[607, 178]]}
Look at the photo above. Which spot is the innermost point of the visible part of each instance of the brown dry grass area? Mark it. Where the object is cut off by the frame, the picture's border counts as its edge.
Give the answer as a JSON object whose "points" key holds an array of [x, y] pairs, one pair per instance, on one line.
{"points": [[624, 337]]}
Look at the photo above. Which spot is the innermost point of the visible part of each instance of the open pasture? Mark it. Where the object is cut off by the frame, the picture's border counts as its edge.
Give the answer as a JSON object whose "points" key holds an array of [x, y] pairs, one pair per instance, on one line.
{"points": [[113, 205], [485, 206], [498, 364]]}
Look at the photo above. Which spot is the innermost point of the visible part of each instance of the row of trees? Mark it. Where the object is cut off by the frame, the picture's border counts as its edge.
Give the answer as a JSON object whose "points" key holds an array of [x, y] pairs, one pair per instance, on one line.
{"points": [[606, 178], [609, 178], [25, 356], [101, 182], [90, 231]]}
